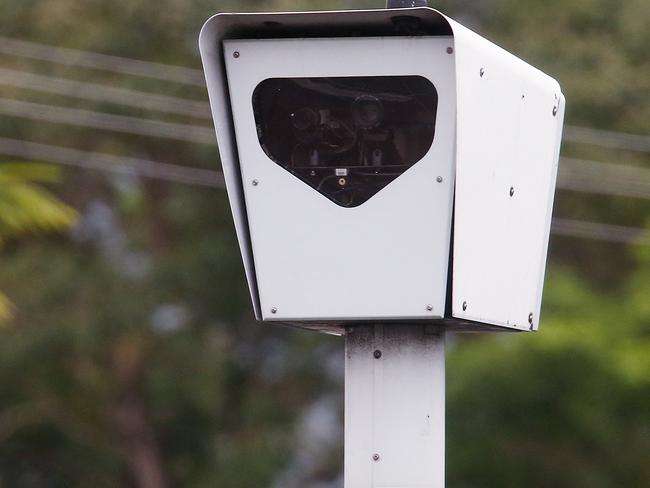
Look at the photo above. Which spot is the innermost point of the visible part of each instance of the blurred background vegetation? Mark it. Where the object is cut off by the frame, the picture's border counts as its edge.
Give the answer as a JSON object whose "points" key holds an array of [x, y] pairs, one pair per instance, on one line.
{"points": [[128, 354]]}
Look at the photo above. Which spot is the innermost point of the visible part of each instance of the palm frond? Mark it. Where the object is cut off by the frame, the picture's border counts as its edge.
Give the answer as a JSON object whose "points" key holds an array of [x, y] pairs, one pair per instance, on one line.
{"points": [[33, 172], [6, 309], [26, 207]]}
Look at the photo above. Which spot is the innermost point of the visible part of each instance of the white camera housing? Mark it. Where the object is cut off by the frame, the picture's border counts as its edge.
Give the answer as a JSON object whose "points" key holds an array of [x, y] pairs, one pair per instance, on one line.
{"points": [[459, 237]]}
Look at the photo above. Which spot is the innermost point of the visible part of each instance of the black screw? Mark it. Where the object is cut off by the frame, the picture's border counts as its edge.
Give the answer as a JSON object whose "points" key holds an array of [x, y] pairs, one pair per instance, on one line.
{"points": [[512, 191], [450, 50], [464, 306], [375, 457], [235, 54], [377, 354], [555, 110], [482, 72]]}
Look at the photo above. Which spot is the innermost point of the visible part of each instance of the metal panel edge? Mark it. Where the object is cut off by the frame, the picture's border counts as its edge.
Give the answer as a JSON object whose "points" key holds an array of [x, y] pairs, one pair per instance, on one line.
{"points": [[551, 197], [467, 41], [211, 50]]}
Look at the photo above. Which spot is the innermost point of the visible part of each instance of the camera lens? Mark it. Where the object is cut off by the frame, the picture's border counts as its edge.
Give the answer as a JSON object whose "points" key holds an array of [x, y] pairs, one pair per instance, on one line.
{"points": [[305, 119], [367, 111]]}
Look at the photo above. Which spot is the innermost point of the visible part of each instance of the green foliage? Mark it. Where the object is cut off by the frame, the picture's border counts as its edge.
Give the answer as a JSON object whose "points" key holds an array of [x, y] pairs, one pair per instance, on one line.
{"points": [[566, 407], [6, 308], [26, 208], [91, 383]]}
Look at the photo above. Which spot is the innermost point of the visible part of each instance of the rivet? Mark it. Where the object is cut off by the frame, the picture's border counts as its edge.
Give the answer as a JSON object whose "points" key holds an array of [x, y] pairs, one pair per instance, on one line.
{"points": [[375, 457], [235, 54], [439, 179], [482, 72], [255, 182], [512, 191], [430, 308], [377, 354], [464, 306], [342, 181], [274, 310], [450, 50]]}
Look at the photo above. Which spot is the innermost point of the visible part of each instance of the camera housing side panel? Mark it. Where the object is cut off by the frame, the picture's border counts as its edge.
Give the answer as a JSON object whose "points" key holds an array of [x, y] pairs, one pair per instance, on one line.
{"points": [[211, 47], [378, 248], [510, 118]]}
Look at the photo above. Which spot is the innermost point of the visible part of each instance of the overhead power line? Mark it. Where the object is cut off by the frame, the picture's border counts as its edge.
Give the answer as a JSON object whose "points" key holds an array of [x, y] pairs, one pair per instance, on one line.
{"points": [[103, 93], [604, 178], [104, 62], [104, 121], [601, 232], [214, 179], [605, 138], [575, 175], [191, 76], [110, 163]]}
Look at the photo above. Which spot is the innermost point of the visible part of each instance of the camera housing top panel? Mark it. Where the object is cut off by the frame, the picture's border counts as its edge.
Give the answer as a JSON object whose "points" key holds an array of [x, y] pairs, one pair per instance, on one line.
{"points": [[384, 165]]}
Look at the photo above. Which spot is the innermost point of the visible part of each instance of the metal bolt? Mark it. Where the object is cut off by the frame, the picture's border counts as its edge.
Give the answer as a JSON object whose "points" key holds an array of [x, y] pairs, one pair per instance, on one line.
{"points": [[464, 306], [377, 354], [430, 308], [482, 72], [342, 181], [450, 50], [439, 179], [255, 182], [375, 457], [512, 191], [274, 310], [235, 54]]}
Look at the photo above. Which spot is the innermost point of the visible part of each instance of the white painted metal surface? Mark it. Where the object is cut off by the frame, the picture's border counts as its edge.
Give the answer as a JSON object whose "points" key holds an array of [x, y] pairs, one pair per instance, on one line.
{"points": [[395, 407], [508, 138], [315, 260], [503, 141], [212, 57]]}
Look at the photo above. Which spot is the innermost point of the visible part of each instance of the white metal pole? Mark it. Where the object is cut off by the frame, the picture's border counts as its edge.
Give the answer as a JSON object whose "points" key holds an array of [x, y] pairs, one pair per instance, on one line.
{"points": [[395, 406]]}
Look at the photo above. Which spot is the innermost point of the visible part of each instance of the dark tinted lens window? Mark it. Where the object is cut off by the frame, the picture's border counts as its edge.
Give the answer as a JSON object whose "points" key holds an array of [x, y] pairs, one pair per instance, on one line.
{"points": [[346, 137]]}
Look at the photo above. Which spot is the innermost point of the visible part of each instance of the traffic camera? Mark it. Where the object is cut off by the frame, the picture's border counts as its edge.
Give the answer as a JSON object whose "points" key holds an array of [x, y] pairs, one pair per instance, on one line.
{"points": [[384, 165]]}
